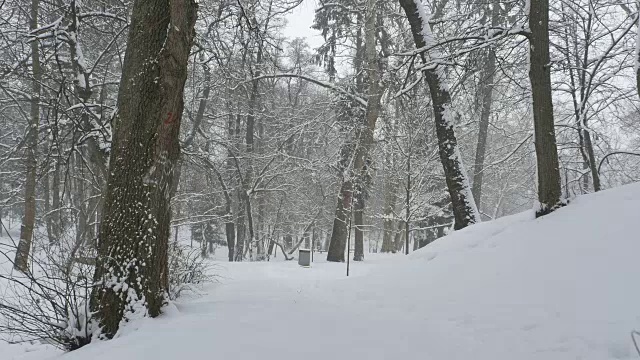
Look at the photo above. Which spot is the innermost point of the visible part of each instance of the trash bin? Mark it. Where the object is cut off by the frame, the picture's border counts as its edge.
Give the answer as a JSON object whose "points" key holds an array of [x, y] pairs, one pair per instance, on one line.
{"points": [[304, 257]]}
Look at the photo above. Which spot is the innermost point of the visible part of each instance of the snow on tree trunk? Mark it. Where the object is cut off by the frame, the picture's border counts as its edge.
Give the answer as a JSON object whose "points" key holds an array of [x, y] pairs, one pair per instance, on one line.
{"points": [[549, 190], [464, 207], [131, 271]]}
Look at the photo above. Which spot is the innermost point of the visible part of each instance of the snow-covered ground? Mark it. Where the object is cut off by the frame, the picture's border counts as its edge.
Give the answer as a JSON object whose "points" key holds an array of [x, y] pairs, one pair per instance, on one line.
{"points": [[560, 287]]}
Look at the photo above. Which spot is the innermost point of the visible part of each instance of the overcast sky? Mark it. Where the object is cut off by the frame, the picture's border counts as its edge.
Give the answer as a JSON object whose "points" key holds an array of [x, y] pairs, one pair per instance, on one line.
{"points": [[300, 21]]}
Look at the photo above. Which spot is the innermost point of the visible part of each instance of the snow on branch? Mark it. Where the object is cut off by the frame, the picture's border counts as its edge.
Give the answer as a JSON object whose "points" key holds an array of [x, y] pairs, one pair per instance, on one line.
{"points": [[324, 84]]}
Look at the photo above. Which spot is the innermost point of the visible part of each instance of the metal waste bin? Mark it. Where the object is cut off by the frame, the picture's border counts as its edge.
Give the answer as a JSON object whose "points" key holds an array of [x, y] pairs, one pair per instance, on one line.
{"points": [[304, 257]]}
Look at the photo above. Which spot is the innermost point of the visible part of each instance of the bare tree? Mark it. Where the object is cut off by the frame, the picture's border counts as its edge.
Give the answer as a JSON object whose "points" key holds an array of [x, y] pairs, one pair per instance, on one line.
{"points": [[28, 221], [464, 207]]}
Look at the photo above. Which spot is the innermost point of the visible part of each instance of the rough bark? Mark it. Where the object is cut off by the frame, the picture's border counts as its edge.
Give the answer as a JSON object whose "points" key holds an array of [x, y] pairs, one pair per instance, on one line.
{"points": [[340, 229], [21, 261], [131, 270], [549, 189], [464, 207]]}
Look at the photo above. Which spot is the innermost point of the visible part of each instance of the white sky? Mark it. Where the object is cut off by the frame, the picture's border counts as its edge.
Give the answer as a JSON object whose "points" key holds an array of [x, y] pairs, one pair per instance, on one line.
{"points": [[299, 24]]}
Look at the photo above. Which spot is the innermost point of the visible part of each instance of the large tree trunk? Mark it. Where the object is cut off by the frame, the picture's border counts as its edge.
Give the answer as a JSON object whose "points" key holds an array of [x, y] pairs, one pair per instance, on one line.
{"points": [[340, 229], [362, 161], [365, 137], [21, 261], [549, 189], [131, 270], [464, 207]]}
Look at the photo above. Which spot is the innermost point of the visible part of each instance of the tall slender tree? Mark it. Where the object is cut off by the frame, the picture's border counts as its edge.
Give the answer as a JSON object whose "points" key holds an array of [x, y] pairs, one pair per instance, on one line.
{"points": [[549, 190], [488, 77], [29, 219]]}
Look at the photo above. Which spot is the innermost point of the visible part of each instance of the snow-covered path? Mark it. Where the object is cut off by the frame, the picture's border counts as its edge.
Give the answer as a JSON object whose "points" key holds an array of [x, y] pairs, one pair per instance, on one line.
{"points": [[560, 287], [272, 310]]}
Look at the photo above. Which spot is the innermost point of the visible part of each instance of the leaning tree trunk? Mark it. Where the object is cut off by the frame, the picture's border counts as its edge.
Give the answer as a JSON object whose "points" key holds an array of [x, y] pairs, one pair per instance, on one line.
{"points": [[464, 207], [549, 189], [21, 261], [131, 270]]}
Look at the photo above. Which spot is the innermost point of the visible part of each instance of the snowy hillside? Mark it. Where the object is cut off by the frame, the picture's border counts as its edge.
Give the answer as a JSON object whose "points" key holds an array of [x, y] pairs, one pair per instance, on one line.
{"points": [[560, 287]]}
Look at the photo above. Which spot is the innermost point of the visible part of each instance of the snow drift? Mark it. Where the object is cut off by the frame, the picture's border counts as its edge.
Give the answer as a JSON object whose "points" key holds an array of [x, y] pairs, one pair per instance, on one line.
{"points": [[560, 287]]}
